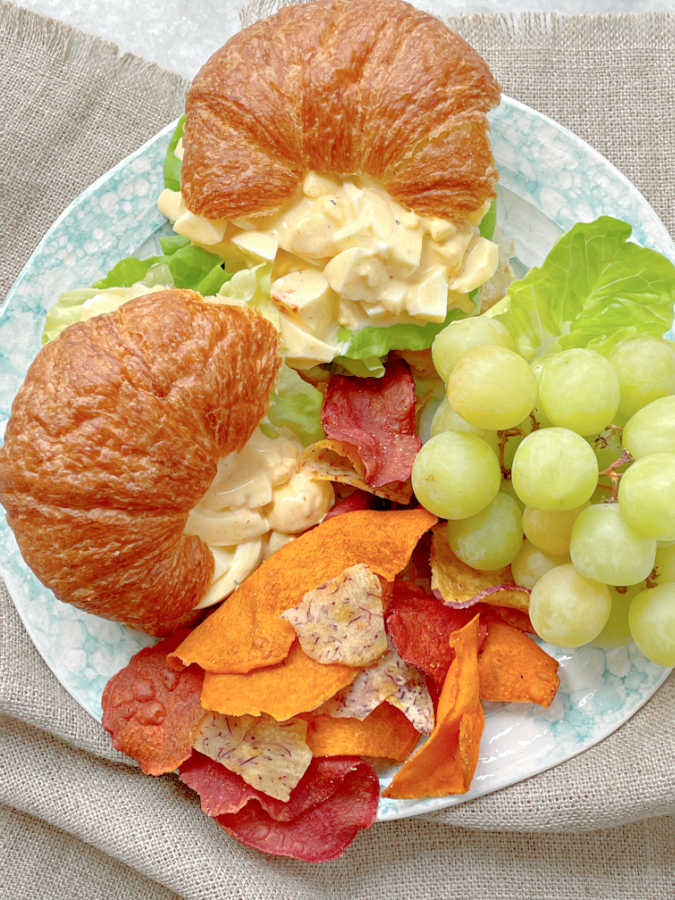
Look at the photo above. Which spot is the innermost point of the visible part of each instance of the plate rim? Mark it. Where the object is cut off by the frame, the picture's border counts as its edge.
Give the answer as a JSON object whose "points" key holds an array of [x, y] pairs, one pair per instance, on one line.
{"points": [[403, 809]]}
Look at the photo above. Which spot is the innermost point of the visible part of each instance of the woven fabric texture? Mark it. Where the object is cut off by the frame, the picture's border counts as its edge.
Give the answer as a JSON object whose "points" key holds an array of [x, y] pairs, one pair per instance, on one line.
{"points": [[77, 819]]}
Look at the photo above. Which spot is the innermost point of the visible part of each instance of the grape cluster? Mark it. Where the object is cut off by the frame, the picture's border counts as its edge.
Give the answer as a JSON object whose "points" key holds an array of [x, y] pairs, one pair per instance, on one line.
{"points": [[565, 470]]}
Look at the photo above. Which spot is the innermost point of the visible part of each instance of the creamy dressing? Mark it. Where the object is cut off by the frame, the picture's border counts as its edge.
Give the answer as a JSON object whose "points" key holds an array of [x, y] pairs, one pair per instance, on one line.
{"points": [[258, 500], [345, 253]]}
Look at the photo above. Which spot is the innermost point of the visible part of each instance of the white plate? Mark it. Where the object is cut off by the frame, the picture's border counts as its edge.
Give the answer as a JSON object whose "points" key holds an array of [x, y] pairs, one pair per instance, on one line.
{"points": [[549, 179]]}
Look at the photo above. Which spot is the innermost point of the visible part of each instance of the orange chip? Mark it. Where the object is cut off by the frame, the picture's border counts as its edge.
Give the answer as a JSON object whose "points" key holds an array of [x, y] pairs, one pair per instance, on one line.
{"points": [[446, 762], [456, 582], [247, 633], [330, 460], [296, 685], [512, 668], [385, 733]]}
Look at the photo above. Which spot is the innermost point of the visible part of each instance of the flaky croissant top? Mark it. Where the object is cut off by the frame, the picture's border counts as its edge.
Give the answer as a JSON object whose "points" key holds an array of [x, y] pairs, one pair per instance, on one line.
{"points": [[115, 435], [368, 87]]}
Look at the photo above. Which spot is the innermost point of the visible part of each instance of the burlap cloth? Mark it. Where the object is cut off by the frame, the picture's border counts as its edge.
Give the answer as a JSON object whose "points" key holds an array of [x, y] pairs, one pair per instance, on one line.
{"points": [[77, 820]]}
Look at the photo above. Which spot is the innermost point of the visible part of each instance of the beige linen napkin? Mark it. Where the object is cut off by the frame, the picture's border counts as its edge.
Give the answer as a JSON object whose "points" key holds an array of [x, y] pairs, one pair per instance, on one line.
{"points": [[78, 820]]}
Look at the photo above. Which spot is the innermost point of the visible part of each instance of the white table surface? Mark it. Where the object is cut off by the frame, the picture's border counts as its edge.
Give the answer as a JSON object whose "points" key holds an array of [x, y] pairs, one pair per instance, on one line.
{"points": [[180, 35]]}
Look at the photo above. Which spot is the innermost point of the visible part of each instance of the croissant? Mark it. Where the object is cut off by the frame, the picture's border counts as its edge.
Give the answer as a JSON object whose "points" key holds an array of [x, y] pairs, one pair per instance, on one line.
{"points": [[340, 87], [115, 435]]}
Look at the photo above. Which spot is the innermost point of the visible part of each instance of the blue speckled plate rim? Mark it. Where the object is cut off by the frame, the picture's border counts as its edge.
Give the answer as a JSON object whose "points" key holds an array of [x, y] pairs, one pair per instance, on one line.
{"points": [[658, 235]]}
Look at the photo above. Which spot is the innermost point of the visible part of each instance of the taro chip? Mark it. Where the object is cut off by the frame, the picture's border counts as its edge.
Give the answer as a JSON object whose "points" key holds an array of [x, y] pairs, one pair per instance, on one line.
{"points": [[270, 756], [386, 733], [513, 669], [446, 762], [153, 712], [222, 792], [370, 688], [248, 632], [377, 417], [318, 834], [329, 460], [414, 701], [341, 621], [456, 582], [296, 685]]}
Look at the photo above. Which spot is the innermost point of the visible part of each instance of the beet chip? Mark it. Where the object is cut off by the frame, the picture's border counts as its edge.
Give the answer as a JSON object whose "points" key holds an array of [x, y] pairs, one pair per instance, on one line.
{"points": [[223, 792], [153, 712], [377, 416], [321, 832], [420, 627]]}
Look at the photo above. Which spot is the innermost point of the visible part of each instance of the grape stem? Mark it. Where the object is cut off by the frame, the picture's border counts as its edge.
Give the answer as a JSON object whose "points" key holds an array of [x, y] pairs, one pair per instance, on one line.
{"points": [[601, 441], [503, 440], [614, 476]]}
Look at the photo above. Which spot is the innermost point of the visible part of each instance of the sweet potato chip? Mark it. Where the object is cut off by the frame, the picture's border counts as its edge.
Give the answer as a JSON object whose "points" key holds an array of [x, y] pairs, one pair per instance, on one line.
{"points": [[457, 583], [330, 460], [247, 632], [446, 762], [296, 685], [318, 834], [223, 792], [386, 733], [152, 712], [342, 620], [270, 756], [516, 618], [377, 416], [420, 627], [513, 669]]}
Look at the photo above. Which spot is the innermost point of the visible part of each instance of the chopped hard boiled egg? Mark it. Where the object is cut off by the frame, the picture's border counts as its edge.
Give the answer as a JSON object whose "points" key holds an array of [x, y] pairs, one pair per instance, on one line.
{"points": [[258, 500], [345, 253]]}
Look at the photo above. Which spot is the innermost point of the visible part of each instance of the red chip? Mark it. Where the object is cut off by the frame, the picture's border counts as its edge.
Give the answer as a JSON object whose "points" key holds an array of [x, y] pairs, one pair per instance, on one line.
{"points": [[151, 711], [356, 500], [319, 833], [420, 627], [377, 416], [223, 792]]}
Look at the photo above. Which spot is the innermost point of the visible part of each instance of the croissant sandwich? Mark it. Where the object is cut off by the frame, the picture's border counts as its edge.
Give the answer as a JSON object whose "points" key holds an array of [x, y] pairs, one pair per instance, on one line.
{"points": [[340, 151]]}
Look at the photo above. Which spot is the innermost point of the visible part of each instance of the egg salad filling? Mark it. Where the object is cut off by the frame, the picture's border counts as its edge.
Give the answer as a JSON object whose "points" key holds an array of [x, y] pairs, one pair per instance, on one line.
{"points": [[345, 254], [258, 500]]}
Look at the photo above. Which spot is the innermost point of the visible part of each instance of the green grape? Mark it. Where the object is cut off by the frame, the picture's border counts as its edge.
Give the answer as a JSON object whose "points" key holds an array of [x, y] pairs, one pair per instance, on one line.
{"points": [[446, 419], [665, 563], [647, 496], [616, 632], [455, 475], [458, 337], [652, 623], [646, 370], [492, 387], [606, 548], [579, 390], [550, 530], [491, 539], [651, 429], [531, 563], [554, 469], [607, 446], [567, 609]]}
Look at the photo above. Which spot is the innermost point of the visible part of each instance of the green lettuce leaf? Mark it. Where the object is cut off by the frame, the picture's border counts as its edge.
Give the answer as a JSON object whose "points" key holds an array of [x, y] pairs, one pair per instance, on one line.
{"points": [[371, 367], [488, 223], [372, 342], [171, 162], [127, 271], [594, 289], [252, 286], [296, 405], [66, 311], [196, 269]]}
